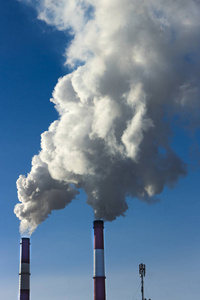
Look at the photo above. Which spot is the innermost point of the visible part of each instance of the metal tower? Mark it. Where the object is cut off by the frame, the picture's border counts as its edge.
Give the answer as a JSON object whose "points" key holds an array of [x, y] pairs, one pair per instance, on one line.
{"points": [[142, 272]]}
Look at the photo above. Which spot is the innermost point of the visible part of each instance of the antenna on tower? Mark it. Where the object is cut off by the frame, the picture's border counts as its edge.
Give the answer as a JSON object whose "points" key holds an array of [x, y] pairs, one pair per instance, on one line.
{"points": [[142, 272]]}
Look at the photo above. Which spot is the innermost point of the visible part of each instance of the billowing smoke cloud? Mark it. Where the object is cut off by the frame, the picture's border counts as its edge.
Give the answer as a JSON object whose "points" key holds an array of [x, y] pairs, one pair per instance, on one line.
{"points": [[135, 63]]}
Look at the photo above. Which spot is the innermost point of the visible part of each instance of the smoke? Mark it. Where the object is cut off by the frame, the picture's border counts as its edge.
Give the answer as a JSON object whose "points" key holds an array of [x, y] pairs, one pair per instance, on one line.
{"points": [[135, 64]]}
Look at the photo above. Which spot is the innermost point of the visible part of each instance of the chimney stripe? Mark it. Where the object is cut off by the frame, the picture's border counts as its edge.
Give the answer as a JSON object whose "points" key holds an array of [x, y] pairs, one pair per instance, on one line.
{"points": [[99, 268], [98, 237], [25, 250], [24, 295], [99, 288], [24, 281], [24, 268]]}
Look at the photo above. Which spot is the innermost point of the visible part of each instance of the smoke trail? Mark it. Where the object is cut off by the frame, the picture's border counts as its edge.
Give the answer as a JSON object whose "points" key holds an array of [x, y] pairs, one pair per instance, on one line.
{"points": [[138, 62]]}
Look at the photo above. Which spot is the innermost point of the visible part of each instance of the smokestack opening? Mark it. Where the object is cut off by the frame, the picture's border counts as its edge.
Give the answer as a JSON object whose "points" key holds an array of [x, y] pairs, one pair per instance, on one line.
{"points": [[99, 265], [24, 270]]}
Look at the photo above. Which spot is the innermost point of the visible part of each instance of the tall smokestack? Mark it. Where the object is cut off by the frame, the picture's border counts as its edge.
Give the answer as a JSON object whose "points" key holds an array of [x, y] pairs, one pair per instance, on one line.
{"points": [[99, 267], [24, 271]]}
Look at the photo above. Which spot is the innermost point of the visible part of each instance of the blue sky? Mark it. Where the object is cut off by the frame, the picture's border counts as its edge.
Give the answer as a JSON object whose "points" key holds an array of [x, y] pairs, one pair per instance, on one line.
{"points": [[164, 236]]}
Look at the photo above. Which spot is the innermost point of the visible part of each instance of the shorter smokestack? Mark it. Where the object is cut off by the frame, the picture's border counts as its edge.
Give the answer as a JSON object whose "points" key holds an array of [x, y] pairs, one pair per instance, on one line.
{"points": [[24, 270], [99, 267]]}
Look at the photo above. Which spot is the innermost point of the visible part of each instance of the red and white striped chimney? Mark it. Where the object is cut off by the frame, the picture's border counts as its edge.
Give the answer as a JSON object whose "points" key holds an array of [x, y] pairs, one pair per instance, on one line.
{"points": [[24, 270], [99, 266]]}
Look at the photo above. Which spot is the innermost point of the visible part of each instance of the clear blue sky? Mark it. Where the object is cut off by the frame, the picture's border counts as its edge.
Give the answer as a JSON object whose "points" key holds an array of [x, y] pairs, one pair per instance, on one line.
{"points": [[164, 236]]}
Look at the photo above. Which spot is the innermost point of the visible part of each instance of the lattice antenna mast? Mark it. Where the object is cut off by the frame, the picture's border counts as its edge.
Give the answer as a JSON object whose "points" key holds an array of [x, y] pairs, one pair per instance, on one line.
{"points": [[142, 272]]}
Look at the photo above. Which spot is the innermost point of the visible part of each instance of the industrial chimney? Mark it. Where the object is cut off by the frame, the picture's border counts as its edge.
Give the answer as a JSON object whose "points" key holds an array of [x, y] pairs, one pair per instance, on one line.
{"points": [[24, 270], [99, 267]]}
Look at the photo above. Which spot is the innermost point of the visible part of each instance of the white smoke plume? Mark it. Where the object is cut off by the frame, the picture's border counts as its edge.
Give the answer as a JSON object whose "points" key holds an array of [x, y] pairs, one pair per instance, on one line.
{"points": [[135, 63]]}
